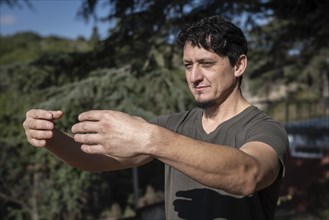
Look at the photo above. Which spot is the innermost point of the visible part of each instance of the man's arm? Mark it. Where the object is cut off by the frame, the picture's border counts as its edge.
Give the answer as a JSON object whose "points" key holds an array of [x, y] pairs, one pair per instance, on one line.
{"points": [[65, 148], [41, 132], [238, 171]]}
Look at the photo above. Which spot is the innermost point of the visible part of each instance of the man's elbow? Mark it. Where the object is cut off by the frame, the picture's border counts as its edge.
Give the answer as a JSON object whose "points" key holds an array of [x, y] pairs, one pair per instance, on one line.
{"points": [[243, 183], [250, 180]]}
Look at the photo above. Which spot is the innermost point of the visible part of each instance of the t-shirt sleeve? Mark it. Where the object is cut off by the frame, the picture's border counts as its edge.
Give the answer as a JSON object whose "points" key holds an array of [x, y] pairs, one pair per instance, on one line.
{"points": [[160, 120], [273, 134], [170, 121]]}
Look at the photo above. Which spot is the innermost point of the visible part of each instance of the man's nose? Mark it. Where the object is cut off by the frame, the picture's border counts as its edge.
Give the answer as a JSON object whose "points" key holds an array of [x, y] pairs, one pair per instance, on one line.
{"points": [[196, 74]]}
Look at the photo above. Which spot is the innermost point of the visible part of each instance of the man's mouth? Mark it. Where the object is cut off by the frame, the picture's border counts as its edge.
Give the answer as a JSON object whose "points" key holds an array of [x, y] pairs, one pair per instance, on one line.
{"points": [[200, 87]]}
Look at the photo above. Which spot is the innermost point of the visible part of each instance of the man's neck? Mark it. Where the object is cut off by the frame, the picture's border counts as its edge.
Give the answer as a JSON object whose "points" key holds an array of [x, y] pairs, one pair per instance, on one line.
{"points": [[216, 115]]}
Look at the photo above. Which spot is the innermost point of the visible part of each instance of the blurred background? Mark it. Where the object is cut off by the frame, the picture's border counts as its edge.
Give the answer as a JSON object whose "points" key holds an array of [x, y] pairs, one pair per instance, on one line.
{"points": [[105, 54]]}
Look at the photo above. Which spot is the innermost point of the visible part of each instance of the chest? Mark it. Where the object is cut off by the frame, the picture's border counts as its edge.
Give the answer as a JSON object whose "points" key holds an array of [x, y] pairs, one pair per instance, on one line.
{"points": [[228, 133]]}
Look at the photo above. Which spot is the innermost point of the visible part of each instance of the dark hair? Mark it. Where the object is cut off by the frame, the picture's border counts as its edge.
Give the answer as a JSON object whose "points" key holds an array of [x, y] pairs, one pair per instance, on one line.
{"points": [[216, 35]]}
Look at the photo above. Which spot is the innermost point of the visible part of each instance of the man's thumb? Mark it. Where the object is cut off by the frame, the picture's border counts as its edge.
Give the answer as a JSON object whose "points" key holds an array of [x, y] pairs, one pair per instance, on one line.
{"points": [[56, 114]]}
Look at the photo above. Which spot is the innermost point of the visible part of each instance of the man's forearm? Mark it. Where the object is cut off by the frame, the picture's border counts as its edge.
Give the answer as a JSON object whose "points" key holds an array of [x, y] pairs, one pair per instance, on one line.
{"points": [[65, 148], [216, 166]]}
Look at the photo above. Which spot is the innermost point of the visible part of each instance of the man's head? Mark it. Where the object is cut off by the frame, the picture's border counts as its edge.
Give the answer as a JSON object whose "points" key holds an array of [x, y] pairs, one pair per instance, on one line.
{"points": [[214, 56], [216, 35]]}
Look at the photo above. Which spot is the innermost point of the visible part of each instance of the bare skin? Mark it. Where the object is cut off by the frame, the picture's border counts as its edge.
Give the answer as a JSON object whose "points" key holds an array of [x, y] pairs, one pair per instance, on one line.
{"points": [[110, 140], [41, 132]]}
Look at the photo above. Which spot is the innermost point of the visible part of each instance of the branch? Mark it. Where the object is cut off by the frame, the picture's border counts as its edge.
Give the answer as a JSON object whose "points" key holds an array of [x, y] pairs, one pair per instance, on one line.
{"points": [[14, 200]]}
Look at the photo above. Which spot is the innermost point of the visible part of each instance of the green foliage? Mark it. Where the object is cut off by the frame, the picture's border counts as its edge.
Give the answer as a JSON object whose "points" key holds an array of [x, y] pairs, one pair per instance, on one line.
{"points": [[280, 58], [49, 189], [27, 46]]}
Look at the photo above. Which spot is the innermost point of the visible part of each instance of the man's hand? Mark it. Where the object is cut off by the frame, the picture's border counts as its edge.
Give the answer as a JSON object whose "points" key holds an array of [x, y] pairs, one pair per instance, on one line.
{"points": [[111, 133], [39, 126]]}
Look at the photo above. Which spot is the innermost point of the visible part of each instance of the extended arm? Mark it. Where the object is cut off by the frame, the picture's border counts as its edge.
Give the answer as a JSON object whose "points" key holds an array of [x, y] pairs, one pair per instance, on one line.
{"points": [[64, 147], [41, 132], [238, 171]]}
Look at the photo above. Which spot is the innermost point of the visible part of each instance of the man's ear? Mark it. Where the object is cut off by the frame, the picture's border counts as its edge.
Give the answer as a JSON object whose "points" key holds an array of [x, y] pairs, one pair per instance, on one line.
{"points": [[240, 66]]}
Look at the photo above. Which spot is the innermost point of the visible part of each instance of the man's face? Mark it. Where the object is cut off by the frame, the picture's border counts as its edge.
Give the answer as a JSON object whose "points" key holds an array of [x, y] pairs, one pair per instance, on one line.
{"points": [[210, 77]]}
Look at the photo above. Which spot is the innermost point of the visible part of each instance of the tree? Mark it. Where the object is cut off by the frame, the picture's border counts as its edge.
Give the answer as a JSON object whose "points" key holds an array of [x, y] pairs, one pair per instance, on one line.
{"points": [[290, 37], [292, 46], [95, 38], [42, 83]]}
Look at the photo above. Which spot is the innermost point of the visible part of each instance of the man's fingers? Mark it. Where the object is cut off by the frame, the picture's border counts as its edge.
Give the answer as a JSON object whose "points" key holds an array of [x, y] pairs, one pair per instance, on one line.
{"points": [[84, 127], [89, 116], [93, 149], [40, 134], [44, 114], [36, 124], [37, 143], [39, 126], [94, 115], [87, 138], [39, 114], [56, 114]]}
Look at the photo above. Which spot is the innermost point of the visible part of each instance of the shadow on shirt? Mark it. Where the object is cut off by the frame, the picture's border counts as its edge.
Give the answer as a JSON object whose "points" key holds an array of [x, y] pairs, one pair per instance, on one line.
{"points": [[208, 204]]}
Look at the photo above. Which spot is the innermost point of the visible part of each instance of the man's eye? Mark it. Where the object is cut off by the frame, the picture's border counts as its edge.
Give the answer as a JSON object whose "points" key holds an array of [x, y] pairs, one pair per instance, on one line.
{"points": [[187, 66], [207, 65]]}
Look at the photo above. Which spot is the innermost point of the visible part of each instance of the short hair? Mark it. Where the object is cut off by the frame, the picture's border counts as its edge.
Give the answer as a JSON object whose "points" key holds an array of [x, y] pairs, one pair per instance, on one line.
{"points": [[217, 35]]}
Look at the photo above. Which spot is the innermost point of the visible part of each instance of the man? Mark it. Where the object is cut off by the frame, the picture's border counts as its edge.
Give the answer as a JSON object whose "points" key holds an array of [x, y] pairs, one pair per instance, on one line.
{"points": [[224, 159]]}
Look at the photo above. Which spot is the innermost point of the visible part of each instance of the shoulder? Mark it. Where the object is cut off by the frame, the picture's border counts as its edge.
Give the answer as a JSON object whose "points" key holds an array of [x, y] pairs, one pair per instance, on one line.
{"points": [[259, 121], [262, 128]]}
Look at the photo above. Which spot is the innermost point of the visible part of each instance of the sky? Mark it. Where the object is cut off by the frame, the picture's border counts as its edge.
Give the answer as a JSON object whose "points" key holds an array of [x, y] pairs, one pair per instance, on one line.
{"points": [[49, 18]]}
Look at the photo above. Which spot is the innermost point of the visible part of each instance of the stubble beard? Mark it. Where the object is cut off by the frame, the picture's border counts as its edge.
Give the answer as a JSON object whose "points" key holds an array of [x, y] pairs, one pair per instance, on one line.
{"points": [[206, 104]]}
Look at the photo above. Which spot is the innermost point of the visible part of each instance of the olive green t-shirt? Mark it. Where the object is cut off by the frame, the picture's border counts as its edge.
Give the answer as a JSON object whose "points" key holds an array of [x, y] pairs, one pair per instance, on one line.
{"points": [[187, 199]]}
